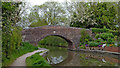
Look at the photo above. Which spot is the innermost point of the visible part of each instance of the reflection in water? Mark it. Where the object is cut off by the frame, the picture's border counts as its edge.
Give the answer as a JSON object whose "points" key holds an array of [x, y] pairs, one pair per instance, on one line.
{"points": [[63, 57], [55, 60], [56, 55]]}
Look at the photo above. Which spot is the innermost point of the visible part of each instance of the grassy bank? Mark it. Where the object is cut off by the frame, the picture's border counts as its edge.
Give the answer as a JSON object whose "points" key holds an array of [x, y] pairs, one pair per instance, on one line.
{"points": [[25, 48], [37, 60], [53, 41]]}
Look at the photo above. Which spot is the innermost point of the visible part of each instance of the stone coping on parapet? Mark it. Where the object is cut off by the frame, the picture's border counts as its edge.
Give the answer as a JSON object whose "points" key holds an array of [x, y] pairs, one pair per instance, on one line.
{"points": [[56, 27]]}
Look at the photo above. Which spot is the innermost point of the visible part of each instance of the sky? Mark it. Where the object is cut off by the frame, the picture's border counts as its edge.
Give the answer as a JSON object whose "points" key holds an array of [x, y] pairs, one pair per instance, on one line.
{"points": [[40, 2]]}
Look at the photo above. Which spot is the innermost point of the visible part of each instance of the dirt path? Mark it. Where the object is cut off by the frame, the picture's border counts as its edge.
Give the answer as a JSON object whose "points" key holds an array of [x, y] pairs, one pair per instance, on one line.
{"points": [[21, 60]]}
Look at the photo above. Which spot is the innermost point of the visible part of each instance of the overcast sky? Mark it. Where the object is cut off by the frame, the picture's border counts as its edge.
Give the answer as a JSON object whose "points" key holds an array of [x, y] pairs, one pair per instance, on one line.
{"points": [[40, 2]]}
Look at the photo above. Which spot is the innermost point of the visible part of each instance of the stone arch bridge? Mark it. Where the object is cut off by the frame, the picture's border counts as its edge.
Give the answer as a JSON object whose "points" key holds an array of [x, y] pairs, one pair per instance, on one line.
{"points": [[70, 34]]}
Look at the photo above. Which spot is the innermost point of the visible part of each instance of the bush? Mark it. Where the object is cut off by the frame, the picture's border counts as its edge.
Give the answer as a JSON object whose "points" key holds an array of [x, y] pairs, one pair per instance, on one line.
{"points": [[99, 40], [116, 38], [82, 47], [104, 36], [118, 45], [109, 41], [97, 36], [84, 36], [99, 30], [93, 44], [115, 32]]}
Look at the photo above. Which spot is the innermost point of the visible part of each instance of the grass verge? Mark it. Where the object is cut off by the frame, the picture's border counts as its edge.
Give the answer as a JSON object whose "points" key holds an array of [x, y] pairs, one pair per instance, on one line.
{"points": [[25, 48], [37, 60]]}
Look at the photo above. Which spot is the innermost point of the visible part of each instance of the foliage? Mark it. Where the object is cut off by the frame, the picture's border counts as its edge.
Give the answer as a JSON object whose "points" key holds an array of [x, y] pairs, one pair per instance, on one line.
{"points": [[97, 36], [84, 36], [114, 32], [11, 33], [99, 30], [93, 44], [37, 24], [82, 47], [99, 40], [25, 48], [54, 41], [116, 38], [49, 13], [106, 14], [110, 41], [104, 36], [96, 15], [118, 45], [37, 60], [82, 17]]}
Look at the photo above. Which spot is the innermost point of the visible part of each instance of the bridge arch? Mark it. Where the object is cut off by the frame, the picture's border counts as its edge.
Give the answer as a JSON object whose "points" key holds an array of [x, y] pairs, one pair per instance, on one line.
{"points": [[70, 42]]}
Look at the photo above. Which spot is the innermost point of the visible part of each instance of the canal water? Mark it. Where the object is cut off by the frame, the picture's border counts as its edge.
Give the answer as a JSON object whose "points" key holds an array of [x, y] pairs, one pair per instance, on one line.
{"points": [[58, 56]]}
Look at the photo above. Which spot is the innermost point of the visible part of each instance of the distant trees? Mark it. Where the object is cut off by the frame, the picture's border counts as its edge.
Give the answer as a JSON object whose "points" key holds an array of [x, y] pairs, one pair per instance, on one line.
{"points": [[74, 14], [50, 13]]}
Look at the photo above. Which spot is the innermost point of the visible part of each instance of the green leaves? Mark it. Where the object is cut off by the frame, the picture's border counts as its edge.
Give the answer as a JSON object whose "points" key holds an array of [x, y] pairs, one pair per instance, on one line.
{"points": [[93, 44], [37, 60], [96, 15], [84, 36], [11, 36], [104, 36]]}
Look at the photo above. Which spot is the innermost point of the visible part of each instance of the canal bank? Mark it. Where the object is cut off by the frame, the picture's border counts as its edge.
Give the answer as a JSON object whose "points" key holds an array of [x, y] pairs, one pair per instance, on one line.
{"points": [[99, 51]]}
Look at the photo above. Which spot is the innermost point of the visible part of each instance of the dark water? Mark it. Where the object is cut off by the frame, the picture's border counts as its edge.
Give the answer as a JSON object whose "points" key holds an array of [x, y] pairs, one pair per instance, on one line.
{"points": [[62, 57]]}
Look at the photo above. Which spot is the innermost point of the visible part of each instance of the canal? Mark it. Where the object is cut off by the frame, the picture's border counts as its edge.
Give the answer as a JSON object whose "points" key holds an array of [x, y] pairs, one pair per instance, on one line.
{"points": [[58, 56]]}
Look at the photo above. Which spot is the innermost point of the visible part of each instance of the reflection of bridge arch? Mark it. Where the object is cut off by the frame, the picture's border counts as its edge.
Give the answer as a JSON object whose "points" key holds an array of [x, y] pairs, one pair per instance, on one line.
{"points": [[70, 34], [67, 60]]}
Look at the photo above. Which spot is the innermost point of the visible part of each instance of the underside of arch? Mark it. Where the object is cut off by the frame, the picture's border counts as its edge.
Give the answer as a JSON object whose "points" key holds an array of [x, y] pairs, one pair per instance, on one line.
{"points": [[71, 45]]}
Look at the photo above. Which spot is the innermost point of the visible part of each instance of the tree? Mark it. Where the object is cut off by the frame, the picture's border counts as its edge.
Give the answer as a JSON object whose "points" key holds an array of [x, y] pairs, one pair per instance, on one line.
{"points": [[11, 36], [50, 13], [96, 15], [106, 14]]}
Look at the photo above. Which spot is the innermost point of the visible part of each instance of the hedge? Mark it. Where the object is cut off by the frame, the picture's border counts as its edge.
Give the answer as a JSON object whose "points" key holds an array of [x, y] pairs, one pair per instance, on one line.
{"points": [[99, 30], [104, 36], [93, 44]]}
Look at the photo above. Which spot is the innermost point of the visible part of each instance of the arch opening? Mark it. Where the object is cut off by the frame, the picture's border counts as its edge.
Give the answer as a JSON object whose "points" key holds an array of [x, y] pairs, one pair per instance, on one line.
{"points": [[69, 42]]}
